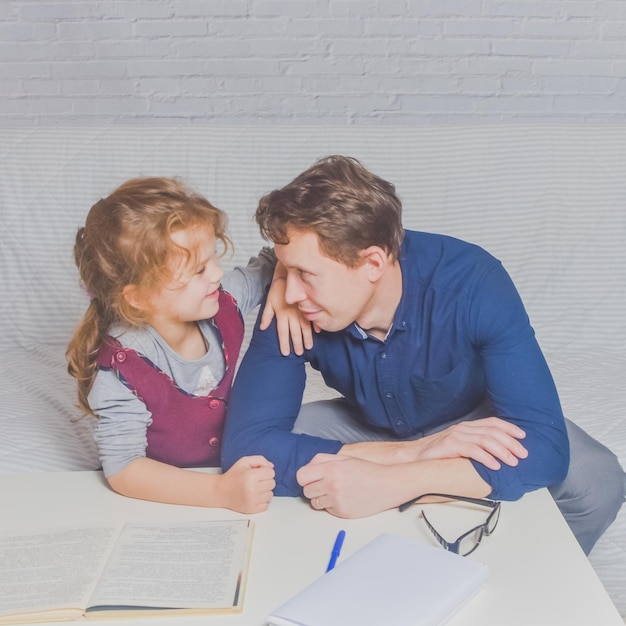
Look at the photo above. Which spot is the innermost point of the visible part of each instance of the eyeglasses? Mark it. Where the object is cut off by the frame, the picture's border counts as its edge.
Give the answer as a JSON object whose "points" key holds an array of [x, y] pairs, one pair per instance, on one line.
{"points": [[470, 540]]}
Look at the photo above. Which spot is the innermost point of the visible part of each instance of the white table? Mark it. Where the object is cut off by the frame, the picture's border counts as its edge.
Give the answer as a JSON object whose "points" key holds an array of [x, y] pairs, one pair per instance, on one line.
{"points": [[537, 573]]}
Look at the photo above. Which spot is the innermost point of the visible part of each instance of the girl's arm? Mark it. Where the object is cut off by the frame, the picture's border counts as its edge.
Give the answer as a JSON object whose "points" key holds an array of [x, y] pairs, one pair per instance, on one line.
{"points": [[120, 434], [248, 285], [247, 487]]}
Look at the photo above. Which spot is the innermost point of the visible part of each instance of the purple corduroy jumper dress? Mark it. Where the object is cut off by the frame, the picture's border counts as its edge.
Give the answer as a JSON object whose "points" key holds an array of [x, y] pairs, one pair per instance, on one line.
{"points": [[186, 430]]}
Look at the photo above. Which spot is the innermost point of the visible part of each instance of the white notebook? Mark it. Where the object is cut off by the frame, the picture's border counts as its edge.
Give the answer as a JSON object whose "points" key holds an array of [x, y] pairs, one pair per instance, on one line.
{"points": [[391, 580]]}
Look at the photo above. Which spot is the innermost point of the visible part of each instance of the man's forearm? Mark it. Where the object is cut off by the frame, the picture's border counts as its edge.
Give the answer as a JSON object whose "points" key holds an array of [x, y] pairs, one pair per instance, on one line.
{"points": [[352, 487], [490, 441], [383, 452], [447, 476], [486, 452]]}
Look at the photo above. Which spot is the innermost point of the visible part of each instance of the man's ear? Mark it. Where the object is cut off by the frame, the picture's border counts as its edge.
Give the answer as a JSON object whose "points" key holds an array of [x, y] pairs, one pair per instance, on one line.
{"points": [[377, 261]]}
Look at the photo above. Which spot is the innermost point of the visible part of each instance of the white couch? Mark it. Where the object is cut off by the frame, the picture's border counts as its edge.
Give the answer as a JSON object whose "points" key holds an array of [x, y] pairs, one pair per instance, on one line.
{"points": [[548, 200]]}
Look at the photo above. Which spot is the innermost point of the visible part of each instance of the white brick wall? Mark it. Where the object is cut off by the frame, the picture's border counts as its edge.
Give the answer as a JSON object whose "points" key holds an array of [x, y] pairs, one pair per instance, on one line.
{"points": [[311, 61]]}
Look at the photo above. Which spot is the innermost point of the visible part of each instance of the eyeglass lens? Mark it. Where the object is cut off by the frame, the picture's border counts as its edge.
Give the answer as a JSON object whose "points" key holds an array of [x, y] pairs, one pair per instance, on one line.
{"points": [[469, 541], [492, 520]]}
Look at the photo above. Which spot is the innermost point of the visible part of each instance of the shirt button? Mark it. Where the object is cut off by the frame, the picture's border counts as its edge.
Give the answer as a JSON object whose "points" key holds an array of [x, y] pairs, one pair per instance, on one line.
{"points": [[213, 404], [383, 355], [389, 395], [120, 356], [214, 441]]}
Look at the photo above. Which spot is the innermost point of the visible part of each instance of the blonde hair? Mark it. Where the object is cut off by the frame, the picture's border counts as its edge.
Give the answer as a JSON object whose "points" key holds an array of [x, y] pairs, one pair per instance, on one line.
{"points": [[127, 240]]}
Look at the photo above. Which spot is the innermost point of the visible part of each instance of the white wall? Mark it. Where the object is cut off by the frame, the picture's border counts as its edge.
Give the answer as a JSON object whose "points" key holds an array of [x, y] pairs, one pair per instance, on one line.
{"points": [[64, 62]]}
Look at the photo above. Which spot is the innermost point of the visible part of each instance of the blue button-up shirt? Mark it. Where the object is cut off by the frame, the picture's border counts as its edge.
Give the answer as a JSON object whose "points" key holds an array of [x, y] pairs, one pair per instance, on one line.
{"points": [[460, 334]]}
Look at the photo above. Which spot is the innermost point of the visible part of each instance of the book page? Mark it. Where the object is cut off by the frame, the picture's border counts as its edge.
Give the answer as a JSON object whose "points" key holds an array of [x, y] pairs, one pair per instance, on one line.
{"points": [[41, 570], [191, 565]]}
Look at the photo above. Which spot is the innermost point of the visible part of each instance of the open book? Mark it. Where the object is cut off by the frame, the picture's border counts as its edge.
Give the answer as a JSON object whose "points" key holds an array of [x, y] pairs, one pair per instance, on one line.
{"points": [[135, 570], [391, 580]]}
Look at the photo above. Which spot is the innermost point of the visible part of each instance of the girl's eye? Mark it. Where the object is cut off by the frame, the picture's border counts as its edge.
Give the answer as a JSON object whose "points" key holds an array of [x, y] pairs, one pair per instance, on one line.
{"points": [[201, 270]]}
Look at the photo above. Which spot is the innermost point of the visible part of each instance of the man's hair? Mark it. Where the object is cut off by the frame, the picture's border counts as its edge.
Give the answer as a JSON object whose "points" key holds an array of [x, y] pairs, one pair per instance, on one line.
{"points": [[347, 206]]}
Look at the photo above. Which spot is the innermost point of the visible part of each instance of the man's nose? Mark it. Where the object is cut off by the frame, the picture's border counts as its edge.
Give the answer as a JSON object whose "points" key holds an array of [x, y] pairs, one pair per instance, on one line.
{"points": [[293, 290]]}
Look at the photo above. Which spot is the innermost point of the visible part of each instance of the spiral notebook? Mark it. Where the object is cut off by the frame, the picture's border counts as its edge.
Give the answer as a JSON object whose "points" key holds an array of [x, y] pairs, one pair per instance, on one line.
{"points": [[391, 580]]}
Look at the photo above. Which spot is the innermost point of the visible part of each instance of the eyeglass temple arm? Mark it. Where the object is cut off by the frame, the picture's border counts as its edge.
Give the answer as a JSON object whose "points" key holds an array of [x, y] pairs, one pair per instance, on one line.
{"points": [[480, 501], [445, 544]]}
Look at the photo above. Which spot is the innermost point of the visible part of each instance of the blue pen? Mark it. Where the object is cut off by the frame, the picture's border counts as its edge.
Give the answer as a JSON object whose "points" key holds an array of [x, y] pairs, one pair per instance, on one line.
{"points": [[334, 555]]}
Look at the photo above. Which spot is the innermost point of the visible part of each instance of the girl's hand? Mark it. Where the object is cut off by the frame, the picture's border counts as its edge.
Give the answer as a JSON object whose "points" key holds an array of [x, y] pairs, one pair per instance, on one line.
{"points": [[289, 323], [247, 487]]}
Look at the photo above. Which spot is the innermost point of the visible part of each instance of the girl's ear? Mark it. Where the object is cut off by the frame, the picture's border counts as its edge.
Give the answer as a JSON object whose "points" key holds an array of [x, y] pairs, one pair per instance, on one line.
{"points": [[135, 298]]}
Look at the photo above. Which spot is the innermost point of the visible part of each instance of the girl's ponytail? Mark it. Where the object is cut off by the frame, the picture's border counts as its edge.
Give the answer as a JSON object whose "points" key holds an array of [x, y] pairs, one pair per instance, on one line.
{"points": [[82, 353]]}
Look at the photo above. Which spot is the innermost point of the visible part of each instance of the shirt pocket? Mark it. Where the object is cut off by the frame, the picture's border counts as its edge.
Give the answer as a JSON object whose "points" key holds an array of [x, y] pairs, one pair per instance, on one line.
{"points": [[451, 395]]}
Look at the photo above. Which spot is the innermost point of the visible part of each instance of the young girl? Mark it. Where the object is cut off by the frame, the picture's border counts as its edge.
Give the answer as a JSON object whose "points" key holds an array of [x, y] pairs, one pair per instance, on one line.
{"points": [[155, 353]]}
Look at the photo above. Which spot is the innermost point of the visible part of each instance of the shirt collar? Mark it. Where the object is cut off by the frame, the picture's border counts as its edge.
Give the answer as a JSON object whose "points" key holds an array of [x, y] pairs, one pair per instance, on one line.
{"points": [[400, 318]]}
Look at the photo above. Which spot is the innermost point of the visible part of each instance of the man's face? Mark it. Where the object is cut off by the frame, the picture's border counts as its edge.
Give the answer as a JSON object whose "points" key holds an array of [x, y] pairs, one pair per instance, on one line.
{"points": [[328, 293]]}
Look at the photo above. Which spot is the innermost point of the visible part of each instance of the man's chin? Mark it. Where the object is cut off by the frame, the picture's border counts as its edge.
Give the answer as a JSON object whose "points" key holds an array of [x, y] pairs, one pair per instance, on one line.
{"points": [[330, 326]]}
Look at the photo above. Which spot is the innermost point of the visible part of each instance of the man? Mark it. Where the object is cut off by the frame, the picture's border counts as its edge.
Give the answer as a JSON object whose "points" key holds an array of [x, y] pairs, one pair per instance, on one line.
{"points": [[444, 386]]}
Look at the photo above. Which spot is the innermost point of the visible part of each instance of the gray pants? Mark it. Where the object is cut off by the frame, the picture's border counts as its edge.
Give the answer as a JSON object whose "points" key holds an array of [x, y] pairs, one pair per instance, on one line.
{"points": [[589, 498]]}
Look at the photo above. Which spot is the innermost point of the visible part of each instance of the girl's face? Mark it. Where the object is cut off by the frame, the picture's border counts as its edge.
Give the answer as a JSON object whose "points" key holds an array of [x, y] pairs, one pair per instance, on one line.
{"points": [[192, 292]]}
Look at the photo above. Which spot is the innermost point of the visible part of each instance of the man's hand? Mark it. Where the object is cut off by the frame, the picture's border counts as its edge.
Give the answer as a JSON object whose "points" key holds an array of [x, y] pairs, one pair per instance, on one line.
{"points": [[369, 477], [490, 441], [348, 487], [353, 487]]}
